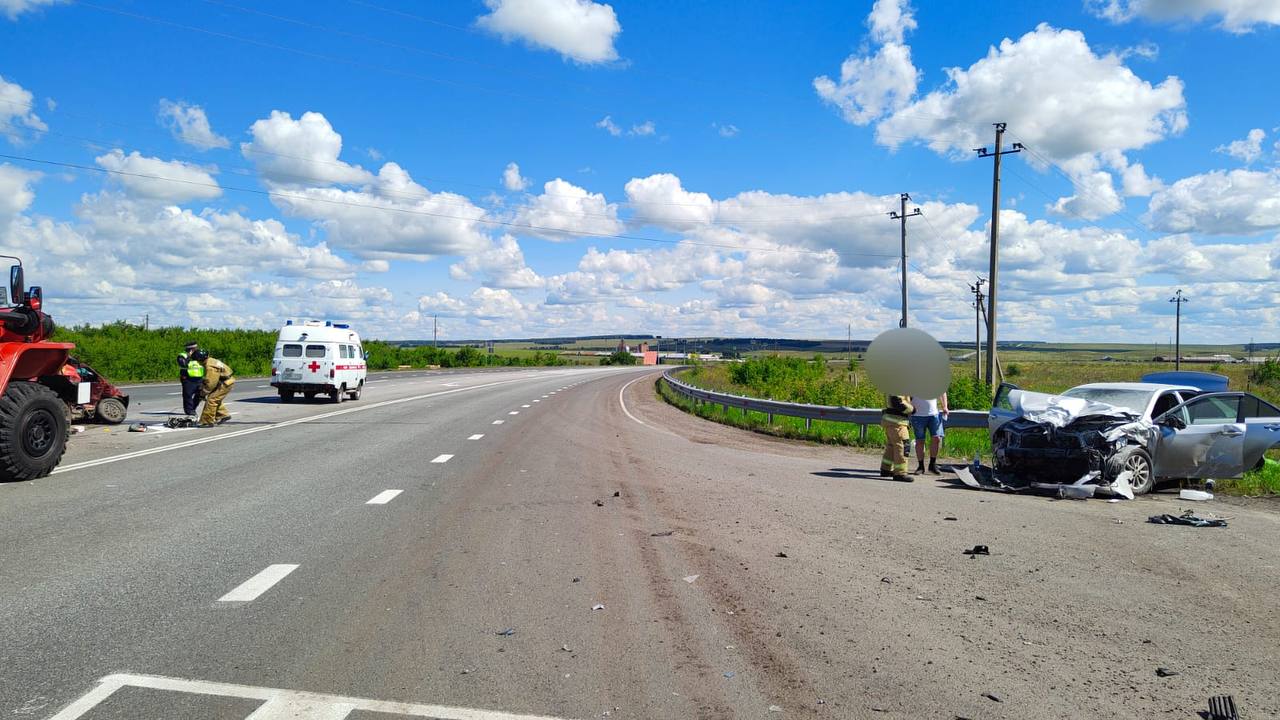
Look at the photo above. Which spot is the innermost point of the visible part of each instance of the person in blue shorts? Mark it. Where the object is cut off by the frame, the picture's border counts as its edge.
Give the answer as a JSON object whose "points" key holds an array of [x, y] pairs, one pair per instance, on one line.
{"points": [[930, 416]]}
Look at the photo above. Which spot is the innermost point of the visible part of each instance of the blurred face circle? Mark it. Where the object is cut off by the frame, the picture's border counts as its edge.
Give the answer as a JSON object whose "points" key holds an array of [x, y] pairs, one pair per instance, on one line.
{"points": [[907, 361]]}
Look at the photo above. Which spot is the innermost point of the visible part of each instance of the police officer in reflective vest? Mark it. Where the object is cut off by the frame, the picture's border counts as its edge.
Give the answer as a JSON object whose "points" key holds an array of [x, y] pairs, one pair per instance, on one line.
{"points": [[894, 421], [191, 371], [217, 385]]}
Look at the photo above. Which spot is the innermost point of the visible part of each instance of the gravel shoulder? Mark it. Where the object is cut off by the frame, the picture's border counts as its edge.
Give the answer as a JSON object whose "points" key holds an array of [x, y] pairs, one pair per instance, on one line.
{"points": [[876, 611]]}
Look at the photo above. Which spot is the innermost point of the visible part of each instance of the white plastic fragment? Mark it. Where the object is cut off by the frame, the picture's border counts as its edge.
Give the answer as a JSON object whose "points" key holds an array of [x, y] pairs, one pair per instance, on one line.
{"points": [[1188, 494]]}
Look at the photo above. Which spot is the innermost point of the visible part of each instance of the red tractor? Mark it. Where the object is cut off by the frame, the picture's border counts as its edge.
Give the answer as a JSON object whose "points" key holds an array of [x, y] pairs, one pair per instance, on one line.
{"points": [[34, 393]]}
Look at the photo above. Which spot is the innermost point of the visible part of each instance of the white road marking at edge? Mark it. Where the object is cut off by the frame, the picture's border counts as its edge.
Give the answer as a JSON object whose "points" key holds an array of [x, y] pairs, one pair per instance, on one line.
{"points": [[477, 436], [273, 426], [525, 406], [623, 403], [258, 584], [279, 703], [514, 412], [383, 497], [498, 422], [442, 458]]}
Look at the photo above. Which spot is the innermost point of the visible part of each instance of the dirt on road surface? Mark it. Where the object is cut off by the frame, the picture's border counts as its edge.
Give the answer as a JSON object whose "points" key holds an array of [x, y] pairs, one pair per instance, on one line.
{"points": [[829, 592]]}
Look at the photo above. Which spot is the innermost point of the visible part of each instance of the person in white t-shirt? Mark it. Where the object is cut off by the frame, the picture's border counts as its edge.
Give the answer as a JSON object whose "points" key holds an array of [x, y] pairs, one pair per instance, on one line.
{"points": [[929, 416]]}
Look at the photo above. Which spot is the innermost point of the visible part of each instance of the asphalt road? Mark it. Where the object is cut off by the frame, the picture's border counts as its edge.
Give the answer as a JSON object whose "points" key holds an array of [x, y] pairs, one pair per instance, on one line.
{"points": [[242, 572]]}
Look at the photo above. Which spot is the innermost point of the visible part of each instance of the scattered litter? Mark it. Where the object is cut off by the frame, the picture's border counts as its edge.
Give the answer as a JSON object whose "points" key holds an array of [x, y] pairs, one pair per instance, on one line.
{"points": [[1114, 500], [992, 697], [507, 632], [1166, 672], [978, 550], [467, 671], [1117, 521], [664, 533], [979, 597], [690, 578], [775, 708], [76, 429], [577, 579], [599, 503], [566, 648], [1223, 707], [177, 423], [138, 427], [730, 647], [1076, 492], [598, 606], [729, 675], [1186, 518], [1188, 494], [951, 517], [781, 554], [617, 493], [886, 580]]}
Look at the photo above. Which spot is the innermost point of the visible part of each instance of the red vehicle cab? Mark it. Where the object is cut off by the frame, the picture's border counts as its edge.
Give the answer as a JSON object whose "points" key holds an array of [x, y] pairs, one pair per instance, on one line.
{"points": [[106, 402]]}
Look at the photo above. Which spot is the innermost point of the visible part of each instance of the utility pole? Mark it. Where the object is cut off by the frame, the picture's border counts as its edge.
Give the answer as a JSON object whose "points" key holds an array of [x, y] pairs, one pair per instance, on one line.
{"points": [[146, 321], [1177, 299], [902, 218], [976, 289], [994, 267], [435, 331]]}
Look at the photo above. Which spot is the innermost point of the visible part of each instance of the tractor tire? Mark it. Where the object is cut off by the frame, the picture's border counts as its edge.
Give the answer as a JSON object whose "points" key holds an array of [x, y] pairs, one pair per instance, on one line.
{"points": [[1136, 460], [33, 431], [111, 411]]}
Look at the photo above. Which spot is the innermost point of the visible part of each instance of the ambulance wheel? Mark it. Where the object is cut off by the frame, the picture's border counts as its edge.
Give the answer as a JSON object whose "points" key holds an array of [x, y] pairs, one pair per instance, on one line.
{"points": [[286, 396], [355, 394], [33, 431], [111, 411], [338, 394]]}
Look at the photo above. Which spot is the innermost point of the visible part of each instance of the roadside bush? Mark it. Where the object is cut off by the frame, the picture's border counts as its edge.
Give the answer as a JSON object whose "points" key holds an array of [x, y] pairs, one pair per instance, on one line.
{"points": [[1267, 373], [1014, 370], [620, 357]]}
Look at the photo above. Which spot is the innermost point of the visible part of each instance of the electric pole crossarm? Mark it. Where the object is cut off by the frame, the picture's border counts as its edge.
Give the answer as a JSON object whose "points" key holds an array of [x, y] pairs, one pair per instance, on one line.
{"points": [[901, 217]]}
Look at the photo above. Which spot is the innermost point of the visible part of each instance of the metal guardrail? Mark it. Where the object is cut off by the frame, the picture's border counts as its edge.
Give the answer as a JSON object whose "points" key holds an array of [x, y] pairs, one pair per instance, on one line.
{"points": [[857, 416]]}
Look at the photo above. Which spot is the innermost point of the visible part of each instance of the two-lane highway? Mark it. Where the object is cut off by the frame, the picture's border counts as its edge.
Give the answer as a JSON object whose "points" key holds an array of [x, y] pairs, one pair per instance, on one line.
{"points": [[560, 543]]}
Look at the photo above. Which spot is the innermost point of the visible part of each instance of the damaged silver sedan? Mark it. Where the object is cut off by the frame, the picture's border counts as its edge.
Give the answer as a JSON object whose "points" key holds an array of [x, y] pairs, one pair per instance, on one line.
{"points": [[1122, 438]]}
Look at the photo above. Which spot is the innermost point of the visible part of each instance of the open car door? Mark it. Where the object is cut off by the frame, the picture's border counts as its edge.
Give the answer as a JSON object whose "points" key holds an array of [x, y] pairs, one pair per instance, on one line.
{"points": [[1002, 408], [1202, 438]]}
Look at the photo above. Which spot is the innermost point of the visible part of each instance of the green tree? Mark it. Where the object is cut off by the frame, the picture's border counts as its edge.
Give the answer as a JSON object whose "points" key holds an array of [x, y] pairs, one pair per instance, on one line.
{"points": [[620, 357]]}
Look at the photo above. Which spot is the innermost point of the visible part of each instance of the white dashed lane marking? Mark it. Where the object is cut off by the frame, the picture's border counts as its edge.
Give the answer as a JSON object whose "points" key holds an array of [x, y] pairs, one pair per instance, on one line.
{"points": [[383, 497], [477, 436], [525, 406], [514, 412], [258, 584], [498, 422], [442, 458]]}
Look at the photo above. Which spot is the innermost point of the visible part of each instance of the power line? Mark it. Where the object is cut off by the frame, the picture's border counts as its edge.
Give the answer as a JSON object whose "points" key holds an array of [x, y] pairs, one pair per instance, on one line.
{"points": [[411, 211]]}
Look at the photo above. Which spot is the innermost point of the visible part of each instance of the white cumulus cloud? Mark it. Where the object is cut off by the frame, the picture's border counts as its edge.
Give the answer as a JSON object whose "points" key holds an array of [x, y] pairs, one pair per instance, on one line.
{"points": [[512, 179], [580, 30], [305, 151], [873, 83], [564, 211], [1238, 202], [13, 8], [1247, 149], [1237, 16], [189, 124], [171, 181], [17, 114]]}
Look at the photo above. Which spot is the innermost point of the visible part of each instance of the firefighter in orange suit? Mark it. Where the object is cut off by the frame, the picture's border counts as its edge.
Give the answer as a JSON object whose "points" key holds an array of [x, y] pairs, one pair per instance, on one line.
{"points": [[217, 385], [894, 421]]}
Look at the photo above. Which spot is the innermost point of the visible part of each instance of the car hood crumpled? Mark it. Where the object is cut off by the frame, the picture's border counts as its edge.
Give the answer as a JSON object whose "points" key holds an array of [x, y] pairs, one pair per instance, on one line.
{"points": [[1060, 411]]}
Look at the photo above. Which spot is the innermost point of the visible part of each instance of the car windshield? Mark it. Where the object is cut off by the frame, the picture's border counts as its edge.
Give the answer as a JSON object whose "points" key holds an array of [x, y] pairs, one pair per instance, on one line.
{"points": [[1135, 400]]}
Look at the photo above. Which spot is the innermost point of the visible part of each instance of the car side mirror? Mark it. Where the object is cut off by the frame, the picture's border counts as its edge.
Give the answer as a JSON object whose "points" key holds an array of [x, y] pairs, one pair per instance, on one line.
{"points": [[1173, 421]]}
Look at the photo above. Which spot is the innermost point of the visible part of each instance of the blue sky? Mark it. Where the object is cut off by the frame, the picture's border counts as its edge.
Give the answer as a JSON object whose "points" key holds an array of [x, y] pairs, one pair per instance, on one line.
{"points": [[679, 168]]}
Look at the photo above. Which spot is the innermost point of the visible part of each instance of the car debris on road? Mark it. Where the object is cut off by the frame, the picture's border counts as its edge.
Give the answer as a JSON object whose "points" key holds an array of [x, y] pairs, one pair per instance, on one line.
{"points": [[1186, 518]]}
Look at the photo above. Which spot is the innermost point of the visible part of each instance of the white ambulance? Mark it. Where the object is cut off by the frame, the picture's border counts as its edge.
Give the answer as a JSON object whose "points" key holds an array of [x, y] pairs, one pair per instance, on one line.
{"points": [[315, 357]]}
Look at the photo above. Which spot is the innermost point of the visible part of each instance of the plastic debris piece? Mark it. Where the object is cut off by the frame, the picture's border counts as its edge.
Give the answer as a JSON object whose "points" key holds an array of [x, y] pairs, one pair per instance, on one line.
{"points": [[775, 708], [1076, 492], [138, 427], [992, 697], [76, 429], [690, 578], [566, 648], [664, 533], [781, 555], [1223, 707], [1166, 672], [507, 632], [729, 675], [598, 606], [978, 550], [1188, 494], [577, 579], [1187, 518], [599, 503], [951, 517], [887, 580], [617, 493]]}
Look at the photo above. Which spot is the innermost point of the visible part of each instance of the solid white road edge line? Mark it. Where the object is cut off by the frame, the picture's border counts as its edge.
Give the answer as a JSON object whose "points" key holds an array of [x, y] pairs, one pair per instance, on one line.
{"points": [[477, 436], [273, 426], [498, 422], [258, 584], [278, 699], [383, 497], [623, 403], [442, 458]]}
